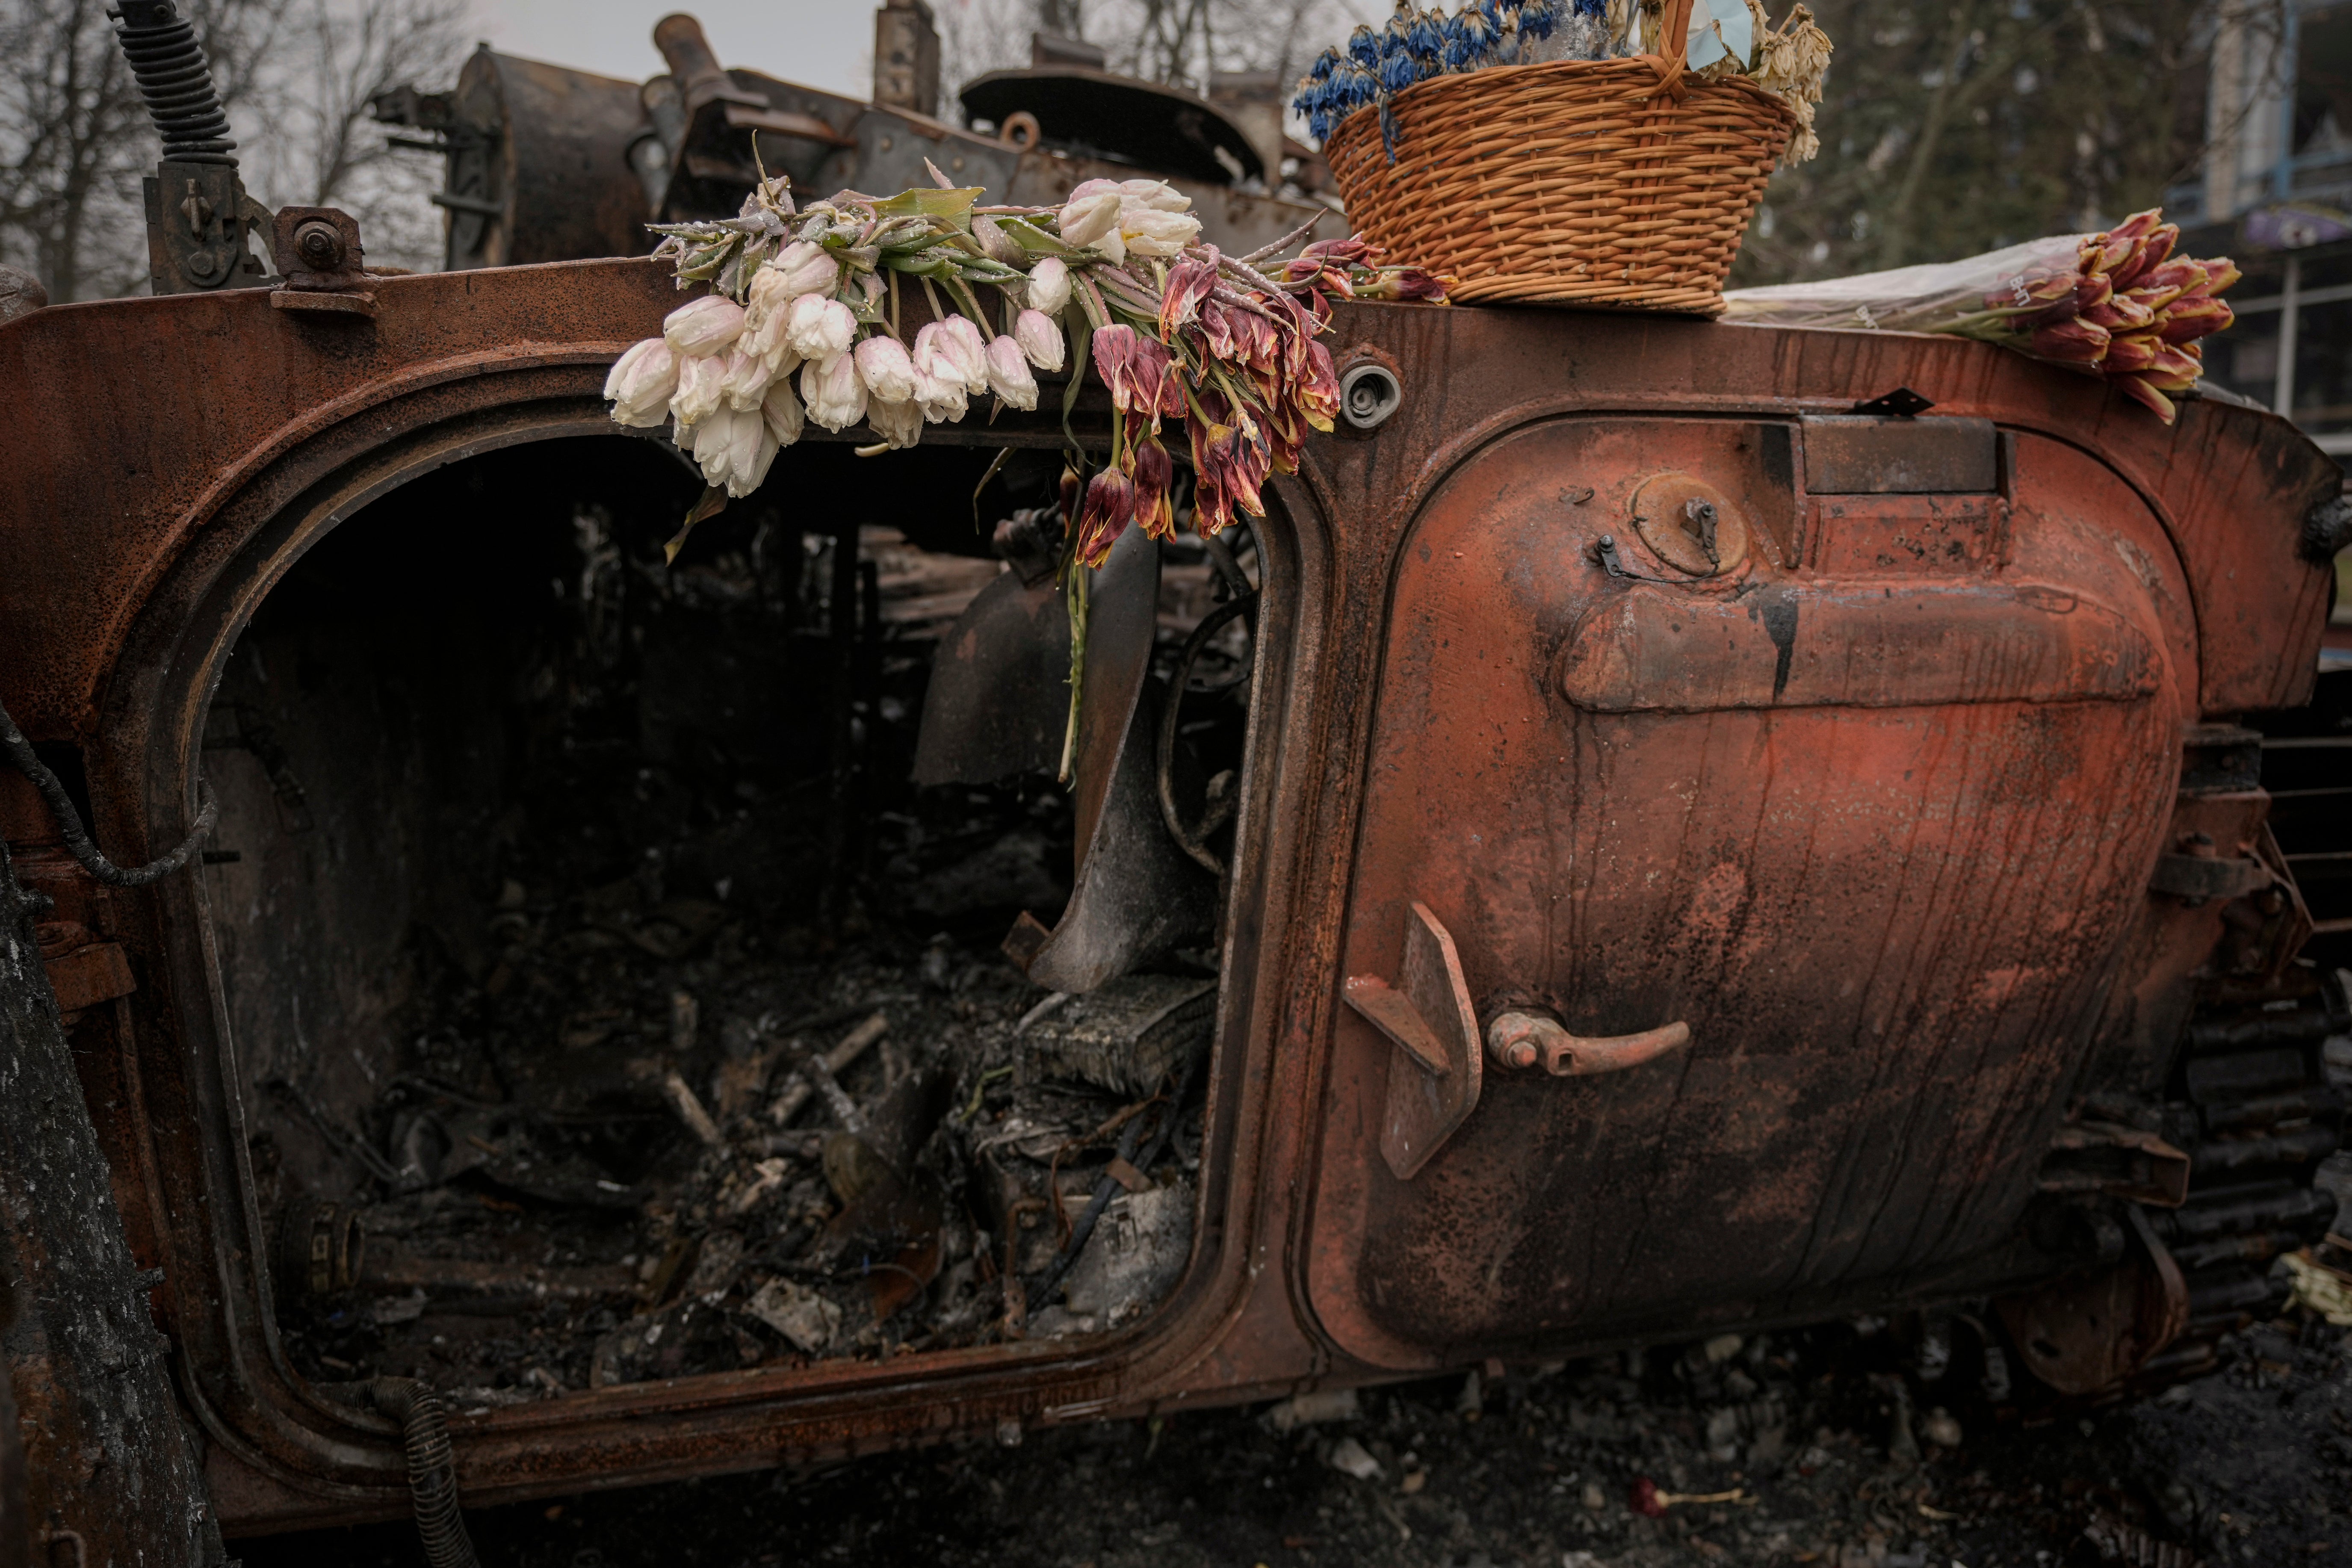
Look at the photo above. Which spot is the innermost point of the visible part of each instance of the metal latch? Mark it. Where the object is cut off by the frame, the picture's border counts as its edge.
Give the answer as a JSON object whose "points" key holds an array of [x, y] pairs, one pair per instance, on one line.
{"points": [[1435, 1072]]}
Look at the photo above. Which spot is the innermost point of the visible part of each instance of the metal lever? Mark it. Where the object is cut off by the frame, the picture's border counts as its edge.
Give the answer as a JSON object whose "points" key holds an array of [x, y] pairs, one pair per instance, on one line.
{"points": [[1523, 1039]]}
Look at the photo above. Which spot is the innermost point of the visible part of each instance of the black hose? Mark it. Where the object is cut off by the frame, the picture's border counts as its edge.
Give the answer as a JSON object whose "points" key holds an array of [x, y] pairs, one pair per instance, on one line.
{"points": [[1107, 1187], [20, 752], [176, 80], [432, 1469]]}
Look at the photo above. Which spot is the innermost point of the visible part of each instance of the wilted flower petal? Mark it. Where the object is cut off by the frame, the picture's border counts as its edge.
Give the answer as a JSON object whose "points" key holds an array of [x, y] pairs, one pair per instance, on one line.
{"points": [[889, 373], [1157, 194], [1152, 472], [1039, 338], [2128, 354], [2140, 390], [938, 392], [2183, 320], [803, 268], [899, 421], [834, 397], [781, 409], [2078, 342], [820, 329], [1149, 232], [746, 380], [642, 383], [1189, 283], [701, 386], [705, 326], [1088, 218], [1109, 507], [1049, 286], [1008, 375], [961, 338]]}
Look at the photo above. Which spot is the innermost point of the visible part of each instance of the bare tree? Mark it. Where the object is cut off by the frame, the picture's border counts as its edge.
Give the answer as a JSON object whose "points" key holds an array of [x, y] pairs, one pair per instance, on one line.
{"points": [[326, 151], [295, 77]]}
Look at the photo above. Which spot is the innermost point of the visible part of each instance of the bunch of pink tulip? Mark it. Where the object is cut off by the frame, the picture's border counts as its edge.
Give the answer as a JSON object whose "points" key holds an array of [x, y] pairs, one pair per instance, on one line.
{"points": [[2130, 310]]}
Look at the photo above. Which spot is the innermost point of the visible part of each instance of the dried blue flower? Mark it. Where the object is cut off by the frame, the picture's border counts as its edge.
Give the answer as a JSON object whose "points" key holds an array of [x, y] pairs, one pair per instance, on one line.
{"points": [[1538, 18], [1426, 36], [1397, 69], [1364, 46]]}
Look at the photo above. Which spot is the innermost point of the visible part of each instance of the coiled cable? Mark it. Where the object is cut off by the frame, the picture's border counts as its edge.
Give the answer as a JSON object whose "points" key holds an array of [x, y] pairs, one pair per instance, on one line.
{"points": [[432, 1469], [176, 81]]}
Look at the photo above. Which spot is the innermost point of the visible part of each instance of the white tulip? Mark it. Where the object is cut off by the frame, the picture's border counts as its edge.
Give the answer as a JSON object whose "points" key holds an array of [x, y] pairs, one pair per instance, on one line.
{"points": [[706, 326], [782, 410], [734, 448], [897, 421], [701, 386], [1039, 338], [938, 390], [746, 380], [770, 337], [804, 267], [1148, 232], [962, 336], [820, 329], [642, 383], [1049, 286], [1008, 375], [889, 373], [836, 398], [1157, 194], [1085, 220]]}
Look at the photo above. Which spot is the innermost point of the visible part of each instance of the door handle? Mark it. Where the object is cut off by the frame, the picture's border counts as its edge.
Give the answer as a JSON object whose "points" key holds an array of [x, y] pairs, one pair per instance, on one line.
{"points": [[1522, 1040]]}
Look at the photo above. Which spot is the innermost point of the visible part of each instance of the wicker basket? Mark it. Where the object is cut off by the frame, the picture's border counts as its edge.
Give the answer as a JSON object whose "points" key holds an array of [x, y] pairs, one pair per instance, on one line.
{"points": [[1619, 183]]}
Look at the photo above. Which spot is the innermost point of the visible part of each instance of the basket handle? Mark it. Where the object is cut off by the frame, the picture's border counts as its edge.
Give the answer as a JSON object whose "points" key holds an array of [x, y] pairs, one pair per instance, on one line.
{"points": [[1674, 41]]}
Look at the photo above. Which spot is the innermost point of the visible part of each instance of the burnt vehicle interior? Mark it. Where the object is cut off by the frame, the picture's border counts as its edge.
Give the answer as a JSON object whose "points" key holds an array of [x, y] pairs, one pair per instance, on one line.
{"points": [[612, 1002]]}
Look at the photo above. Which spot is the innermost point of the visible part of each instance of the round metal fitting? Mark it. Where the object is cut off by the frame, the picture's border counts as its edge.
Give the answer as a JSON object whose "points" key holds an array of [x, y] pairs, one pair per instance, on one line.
{"points": [[320, 246], [1690, 525], [1020, 130], [1368, 394]]}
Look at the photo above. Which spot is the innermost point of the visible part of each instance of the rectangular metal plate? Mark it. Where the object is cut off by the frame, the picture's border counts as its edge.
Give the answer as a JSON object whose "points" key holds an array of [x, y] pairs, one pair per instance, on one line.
{"points": [[1856, 455]]}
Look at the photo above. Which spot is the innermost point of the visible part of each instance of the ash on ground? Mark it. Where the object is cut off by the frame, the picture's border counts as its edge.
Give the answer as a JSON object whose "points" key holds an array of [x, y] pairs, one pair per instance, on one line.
{"points": [[1785, 1451]]}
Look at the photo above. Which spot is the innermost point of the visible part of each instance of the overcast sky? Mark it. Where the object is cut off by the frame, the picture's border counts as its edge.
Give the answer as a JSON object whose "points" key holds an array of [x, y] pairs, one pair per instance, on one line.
{"points": [[824, 43]]}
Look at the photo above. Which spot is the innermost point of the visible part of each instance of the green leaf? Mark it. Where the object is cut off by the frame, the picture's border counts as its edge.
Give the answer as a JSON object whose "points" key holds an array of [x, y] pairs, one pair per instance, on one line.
{"points": [[948, 206], [713, 502], [1034, 240]]}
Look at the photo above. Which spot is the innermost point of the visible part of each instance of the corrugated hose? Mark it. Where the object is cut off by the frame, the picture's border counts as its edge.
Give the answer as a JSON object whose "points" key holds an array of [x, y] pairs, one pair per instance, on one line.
{"points": [[432, 1469]]}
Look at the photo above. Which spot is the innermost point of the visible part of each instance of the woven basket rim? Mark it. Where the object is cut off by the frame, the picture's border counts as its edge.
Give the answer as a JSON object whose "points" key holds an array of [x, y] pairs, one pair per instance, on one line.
{"points": [[1489, 78]]}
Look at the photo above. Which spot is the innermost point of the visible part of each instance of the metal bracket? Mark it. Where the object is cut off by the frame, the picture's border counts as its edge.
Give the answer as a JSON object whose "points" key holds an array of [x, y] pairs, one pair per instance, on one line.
{"points": [[2110, 1160], [1614, 564], [2200, 872], [1435, 1073]]}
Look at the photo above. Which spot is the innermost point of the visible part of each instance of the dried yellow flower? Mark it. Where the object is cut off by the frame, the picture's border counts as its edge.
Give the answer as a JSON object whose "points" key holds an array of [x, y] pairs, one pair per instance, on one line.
{"points": [[1792, 61]]}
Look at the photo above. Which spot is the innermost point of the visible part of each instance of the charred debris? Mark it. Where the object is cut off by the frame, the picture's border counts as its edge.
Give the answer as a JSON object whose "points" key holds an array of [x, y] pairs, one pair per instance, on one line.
{"points": [[661, 1022]]}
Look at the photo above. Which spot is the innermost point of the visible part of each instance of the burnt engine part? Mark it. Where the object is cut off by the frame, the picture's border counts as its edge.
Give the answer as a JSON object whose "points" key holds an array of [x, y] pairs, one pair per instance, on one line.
{"points": [[546, 164], [198, 214]]}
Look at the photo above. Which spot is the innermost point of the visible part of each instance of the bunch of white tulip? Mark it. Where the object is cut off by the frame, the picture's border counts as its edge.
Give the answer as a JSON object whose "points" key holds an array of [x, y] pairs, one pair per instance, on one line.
{"points": [[797, 331], [1128, 218]]}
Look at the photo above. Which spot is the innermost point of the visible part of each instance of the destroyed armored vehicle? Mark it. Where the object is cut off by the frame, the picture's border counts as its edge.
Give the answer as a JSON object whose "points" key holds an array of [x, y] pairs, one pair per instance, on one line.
{"points": [[1640, 841]]}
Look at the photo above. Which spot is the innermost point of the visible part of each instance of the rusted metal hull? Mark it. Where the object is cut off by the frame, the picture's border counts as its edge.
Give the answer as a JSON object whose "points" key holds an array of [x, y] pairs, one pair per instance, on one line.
{"points": [[1901, 899]]}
